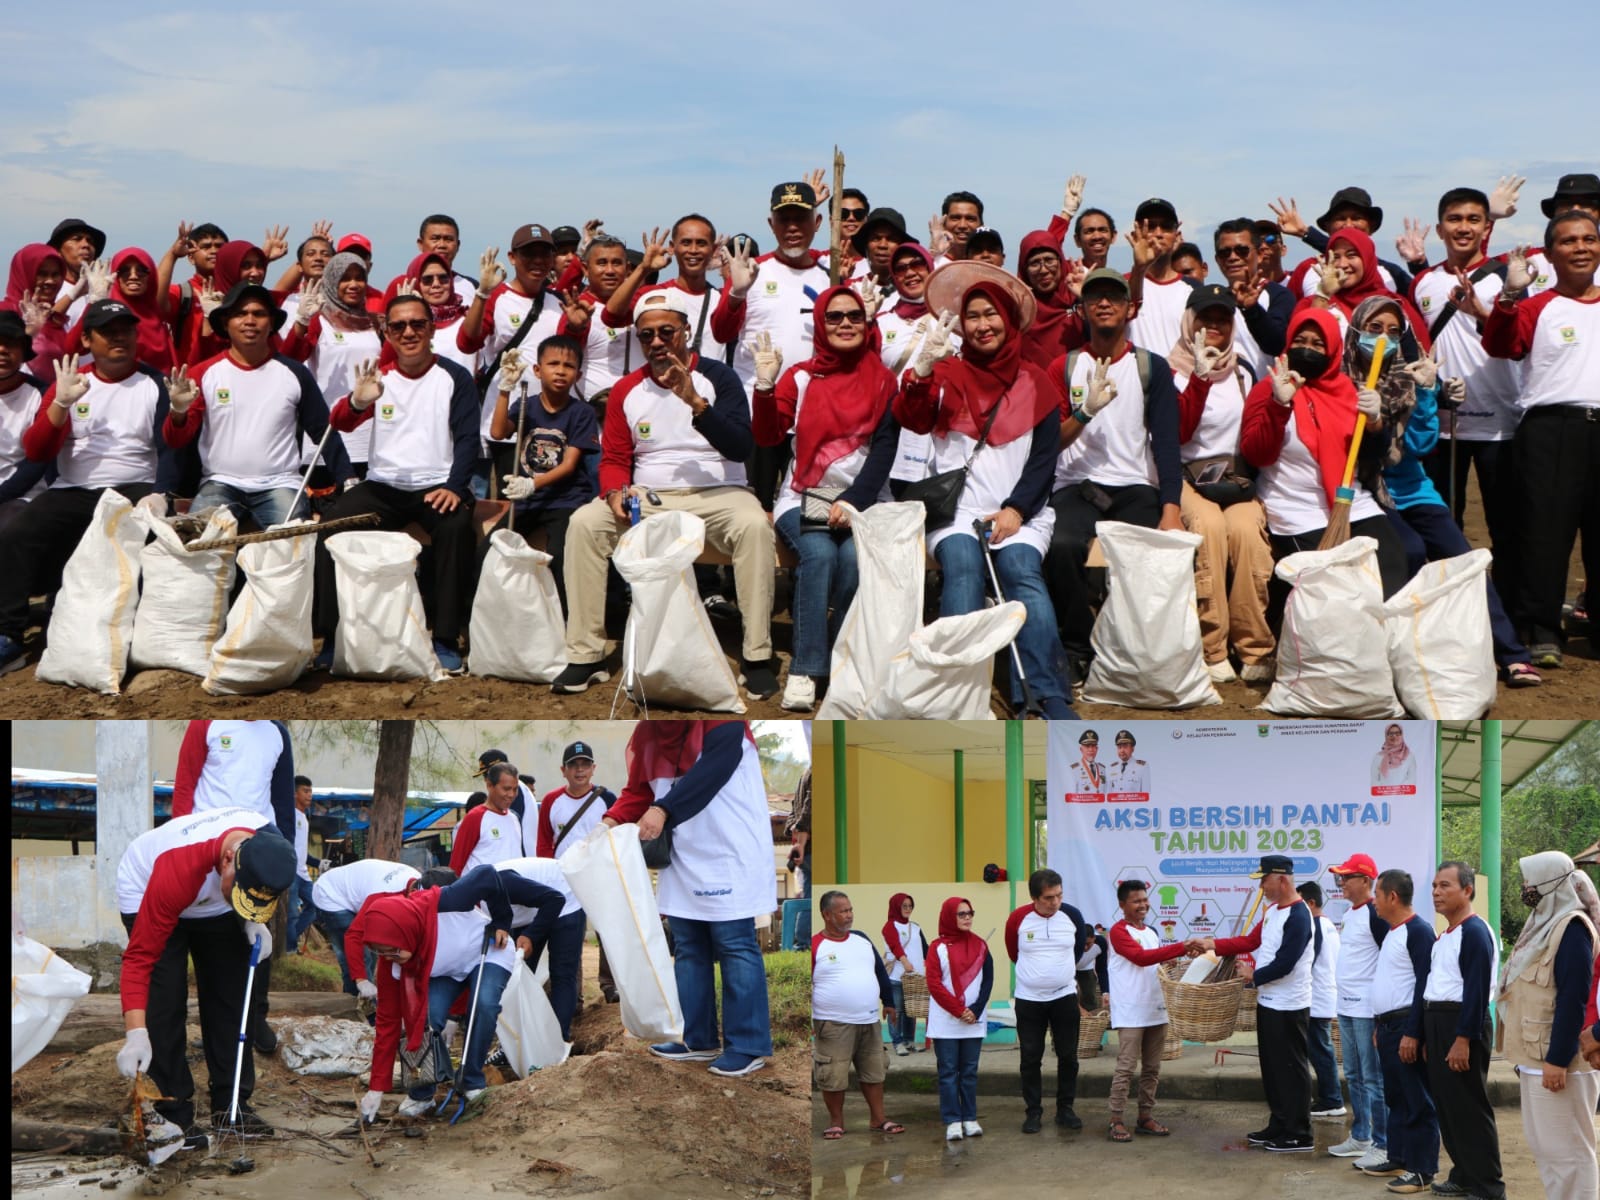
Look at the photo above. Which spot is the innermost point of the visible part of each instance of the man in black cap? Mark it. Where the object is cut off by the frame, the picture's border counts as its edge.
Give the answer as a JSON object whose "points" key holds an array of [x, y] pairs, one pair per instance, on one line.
{"points": [[1350, 206], [20, 393], [79, 243], [1159, 292], [566, 239], [1128, 777], [987, 246], [246, 410], [566, 817], [101, 426]]}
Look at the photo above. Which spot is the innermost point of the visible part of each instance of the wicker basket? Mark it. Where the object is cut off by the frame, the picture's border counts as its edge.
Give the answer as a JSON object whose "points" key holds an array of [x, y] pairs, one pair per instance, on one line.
{"points": [[1174, 1046], [1199, 1012], [1247, 1012], [915, 990], [1091, 1032]]}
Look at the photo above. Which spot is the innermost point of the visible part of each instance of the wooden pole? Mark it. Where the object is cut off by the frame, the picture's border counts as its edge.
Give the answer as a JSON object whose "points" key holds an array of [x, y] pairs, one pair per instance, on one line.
{"points": [[836, 249]]}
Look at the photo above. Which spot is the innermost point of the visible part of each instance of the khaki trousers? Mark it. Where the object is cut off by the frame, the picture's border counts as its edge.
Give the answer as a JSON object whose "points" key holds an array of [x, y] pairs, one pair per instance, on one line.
{"points": [[1146, 1041], [736, 525], [1560, 1128], [1232, 610]]}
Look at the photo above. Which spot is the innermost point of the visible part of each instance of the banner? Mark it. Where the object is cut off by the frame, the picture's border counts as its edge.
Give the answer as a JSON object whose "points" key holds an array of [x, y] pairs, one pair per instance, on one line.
{"points": [[1190, 808]]}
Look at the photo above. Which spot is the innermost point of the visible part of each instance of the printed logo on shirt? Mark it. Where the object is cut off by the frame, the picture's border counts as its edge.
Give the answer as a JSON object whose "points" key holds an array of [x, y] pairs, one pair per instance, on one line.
{"points": [[386, 411], [772, 287], [611, 334], [1077, 395], [643, 430], [1030, 935], [224, 395], [494, 831], [1569, 335], [1542, 281], [890, 336], [338, 335], [226, 741], [81, 410], [1427, 303], [516, 319]]}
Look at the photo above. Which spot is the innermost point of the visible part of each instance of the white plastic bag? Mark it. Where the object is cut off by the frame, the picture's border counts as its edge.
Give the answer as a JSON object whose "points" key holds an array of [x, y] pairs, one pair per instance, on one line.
{"points": [[184, 601], [383, 630], [608, 875], [329, 1046], [92, 626], [1146, 640], [529, 1032], [43, 988], [892, 562], [1440, 646], [1333, 658], [670, 653], [517, 631], [946, 672], [267, 643]]}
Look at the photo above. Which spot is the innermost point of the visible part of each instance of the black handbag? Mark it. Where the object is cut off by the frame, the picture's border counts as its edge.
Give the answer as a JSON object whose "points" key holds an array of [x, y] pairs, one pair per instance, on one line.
{"points": [[658, 850], [941, 494], [1224, 480]]}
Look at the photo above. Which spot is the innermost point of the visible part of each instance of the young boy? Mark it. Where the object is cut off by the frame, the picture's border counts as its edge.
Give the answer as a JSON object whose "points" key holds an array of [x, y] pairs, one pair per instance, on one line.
{"points": [[556, 434]]}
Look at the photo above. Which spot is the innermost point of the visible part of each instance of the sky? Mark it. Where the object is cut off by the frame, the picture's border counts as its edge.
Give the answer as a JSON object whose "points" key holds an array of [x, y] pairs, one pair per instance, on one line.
{"points": [[374, 115]]}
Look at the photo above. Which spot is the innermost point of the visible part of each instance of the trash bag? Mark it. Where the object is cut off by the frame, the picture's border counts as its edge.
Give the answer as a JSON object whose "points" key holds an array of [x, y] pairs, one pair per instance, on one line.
{"points": [[528, 1029], [946, 671], [383, 630], [1440, 646], [517, 631], [183, 603], [608, 875], [1146, 639], [1333, 658], [267, 642], [328, 1046], [670, 653], [92, 626], [43, 989], [892, 563]]}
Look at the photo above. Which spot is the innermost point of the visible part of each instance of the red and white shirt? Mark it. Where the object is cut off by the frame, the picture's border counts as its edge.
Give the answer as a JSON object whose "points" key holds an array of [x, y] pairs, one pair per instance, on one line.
{"points": [[424, 428], [1559, 337], [332, 355], [609, 351], [844, 979], [111, 436], [701, 306], [248, 421], [1159, 324], [1136, 997], [485, 836], [559, 809], [1046, 951], [504, 313], [779, 303], [651, 437], [18, 407], [1489, 413], [235, 764]]}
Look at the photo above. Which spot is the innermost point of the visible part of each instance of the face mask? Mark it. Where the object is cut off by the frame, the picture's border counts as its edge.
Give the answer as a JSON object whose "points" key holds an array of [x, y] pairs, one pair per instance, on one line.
{"points": [[1369, 343], [1308, 362], [1530, 895]]}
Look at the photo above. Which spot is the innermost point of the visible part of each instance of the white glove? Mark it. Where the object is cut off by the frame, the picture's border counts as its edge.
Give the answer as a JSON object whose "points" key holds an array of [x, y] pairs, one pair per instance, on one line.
{"points": [[71, 292], [1503, 200], [181, 390], [935, 345], [1072, 198], [368, 385], [1101, 391], [324, 864], [512, 366], [254, 929], [1328, 281], [871, 297], [1285, 382], [517, 487], [96, 278], [310, 302], [1206, 357], [490, 273], [1412, 245], [135, 1053], [1519, 275], [1453, 391], [768, 360], [155, 504], [369, 1106], [1425, 371], [448, 1033], [741, 270], [208, 299], [71, 386], [366, 989], [1370, 405]]}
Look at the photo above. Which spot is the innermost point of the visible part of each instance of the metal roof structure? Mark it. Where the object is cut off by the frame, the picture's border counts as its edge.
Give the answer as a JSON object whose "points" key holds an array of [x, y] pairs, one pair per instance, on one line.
{"points": [[1524, 746]]}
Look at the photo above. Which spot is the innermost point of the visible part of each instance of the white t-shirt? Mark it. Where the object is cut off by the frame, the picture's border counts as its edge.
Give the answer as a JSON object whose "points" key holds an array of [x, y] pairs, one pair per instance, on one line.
{"points": [[499, 838], [458, 943], [1325, 972], [1218, 431], [910, 934], [940, 1023], [778, 303], [564, 808], [608, 353], [1292, 991], [411, 446], [302, 844], [1136, 997], [1563, 361], [1394, 983], [722, 858], [1047, 960], [111, 435], [1358, 960], [901, 341], [139, 859], [346, 888], [1489, 412], [504, 313], [1291, 490], [539, 870], [844, 980], [18, 407], [332, 363], [1114, 449], [241, 757], [668, 451], [250, 425], [1160, 321], [1444, 975]]}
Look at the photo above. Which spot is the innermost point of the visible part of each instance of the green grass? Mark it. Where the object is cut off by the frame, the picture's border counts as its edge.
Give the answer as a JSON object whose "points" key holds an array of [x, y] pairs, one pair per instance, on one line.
{"points": [[789, 996], [300, 973]]}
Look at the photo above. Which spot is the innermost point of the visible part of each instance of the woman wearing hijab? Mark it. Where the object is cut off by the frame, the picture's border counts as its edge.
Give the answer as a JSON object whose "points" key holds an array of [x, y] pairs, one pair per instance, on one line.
{"points": [[237, 262], [1056, 329], [1544, 987], [1409, 393], [429, 944], [960, 974], [837, 403], [1296, 431], [429, 276], [333, 332], [36, 274], [996, 414], [1394, 766], [1354, 278], [133, 282], [902, 326], [906, 953]]}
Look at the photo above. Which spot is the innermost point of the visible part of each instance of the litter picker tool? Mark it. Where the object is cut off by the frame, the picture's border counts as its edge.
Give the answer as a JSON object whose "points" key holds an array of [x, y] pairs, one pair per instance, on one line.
{"points": [[1030, 705], [458, 1084], [316, 457], [1338, 531], [516, 456], [244, 1025]]}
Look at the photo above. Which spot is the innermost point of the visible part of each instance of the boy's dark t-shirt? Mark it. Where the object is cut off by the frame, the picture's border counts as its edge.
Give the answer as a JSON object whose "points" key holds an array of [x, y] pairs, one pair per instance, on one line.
{"points": [[546, 438]]}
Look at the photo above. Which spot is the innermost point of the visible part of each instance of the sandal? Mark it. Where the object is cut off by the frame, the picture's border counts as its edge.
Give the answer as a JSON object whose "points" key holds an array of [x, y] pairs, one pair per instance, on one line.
{"points": [[890, 1127], [1152, 1127], [833, 1133], [1522, 675], [1118, 1132]]}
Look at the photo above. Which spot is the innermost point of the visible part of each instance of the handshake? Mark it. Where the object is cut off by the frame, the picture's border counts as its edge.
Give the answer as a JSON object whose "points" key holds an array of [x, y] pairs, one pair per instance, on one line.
{"points": [[1196, 946]]}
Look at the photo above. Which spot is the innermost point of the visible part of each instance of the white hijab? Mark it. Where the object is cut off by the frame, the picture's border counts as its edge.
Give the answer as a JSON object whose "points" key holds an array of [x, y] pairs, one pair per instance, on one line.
{"points": [[1563, 889]]}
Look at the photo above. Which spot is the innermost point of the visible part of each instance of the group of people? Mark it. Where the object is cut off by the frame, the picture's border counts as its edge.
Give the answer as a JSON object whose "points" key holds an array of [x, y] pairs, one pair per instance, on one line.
{"points": [[1413, 1010], [1020, 406]]}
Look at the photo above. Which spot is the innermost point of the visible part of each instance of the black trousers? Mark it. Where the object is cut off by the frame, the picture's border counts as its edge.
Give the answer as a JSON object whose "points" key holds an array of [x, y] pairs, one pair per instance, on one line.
{"points": [[1065, 569], [453, 553], [1497, 484], [1461, 1098], [221, 964], [1557, 453], [1393, 567], [36, 543], [1060, 1017], [1285, 1069]]}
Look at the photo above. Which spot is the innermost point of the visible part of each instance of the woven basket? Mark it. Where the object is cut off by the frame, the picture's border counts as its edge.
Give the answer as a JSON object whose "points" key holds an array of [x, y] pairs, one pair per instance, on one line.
{"points": [[1174, 1046], [1199, 1012], [1091, 1032], [915, 990], [1247, 1012]]}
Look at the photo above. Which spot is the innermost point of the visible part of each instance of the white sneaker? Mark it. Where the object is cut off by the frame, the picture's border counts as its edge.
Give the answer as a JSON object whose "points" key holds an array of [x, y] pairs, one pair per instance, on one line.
{"points": [[972, 1128], [952, 1132], [900, 1049], [1351, 1148], [1372, 1158], [799, 694], [1328, 1114], [414, 1108], [1221, 672], [1263, 672], [474, 1093]]}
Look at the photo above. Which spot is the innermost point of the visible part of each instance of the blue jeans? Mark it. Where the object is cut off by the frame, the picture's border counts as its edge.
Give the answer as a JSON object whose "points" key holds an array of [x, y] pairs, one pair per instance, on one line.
{"points": [[904, 1026], [1428, 533], [270, 507], [335, 923], [1362, 1073], [301, 913], [565, 939], [1021, 578], [442, 993], [746, 1023], [826, 575], [1319, 1048], [958, 1078], [1413, 1123]]}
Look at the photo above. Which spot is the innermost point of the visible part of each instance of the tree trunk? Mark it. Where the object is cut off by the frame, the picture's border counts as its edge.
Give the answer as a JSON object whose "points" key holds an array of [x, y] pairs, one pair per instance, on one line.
{"points": [[390, 782], [63, 1139]]}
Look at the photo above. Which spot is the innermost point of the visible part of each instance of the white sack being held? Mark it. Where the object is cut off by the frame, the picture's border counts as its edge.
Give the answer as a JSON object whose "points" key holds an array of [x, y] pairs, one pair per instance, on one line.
{"points": [[91, 628], [529, 1031], [947, 670], [267, 642]]}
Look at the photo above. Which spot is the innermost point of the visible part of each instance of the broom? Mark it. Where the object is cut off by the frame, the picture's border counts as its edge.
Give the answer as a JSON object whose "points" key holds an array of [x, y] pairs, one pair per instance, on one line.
{"points": [[1338, 531]]}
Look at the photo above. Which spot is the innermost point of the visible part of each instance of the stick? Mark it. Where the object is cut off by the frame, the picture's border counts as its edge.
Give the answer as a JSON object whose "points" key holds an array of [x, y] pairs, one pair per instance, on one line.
{"points": [[1338, 531], [244, 1024], [311, 466], [516, 454], [1029, 704], [276, 535], [835, 235], [63, 1139]]}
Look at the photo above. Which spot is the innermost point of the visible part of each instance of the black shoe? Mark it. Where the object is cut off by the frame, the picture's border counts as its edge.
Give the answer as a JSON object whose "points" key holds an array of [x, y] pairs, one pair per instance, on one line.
{"points": [[759, 679], [1261, 1137], [1409, 1183], [721, 608], [1387, 1167], [577, 677], [611, 996], [1443, 1187], [1032, 1123], [249, 1123], [265, 1040], [1292, 1145], [1068, 1119], [498, 1059]]}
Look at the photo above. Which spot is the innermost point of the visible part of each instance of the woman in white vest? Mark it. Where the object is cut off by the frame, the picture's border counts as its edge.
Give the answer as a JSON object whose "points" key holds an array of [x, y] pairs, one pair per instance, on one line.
{"points": [[960, 977], [333, 333], [905, 949]]}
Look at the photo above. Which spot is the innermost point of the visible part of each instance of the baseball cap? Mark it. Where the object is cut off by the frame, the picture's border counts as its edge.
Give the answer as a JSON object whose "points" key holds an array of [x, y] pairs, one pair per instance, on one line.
{"points": [[1105, 275], [11, 327], [565, 235], [1088, 738], [667, 299], [1126, 735], [793, 195], [1155, 207], [264, 870], [71, 225], [488, 758], [531, 235], [1357, 864], [577, 750], [1571, 187], [354, 241], [1211, 295], [237, 295], [104, 312], [1274, 864], [985, 236]]}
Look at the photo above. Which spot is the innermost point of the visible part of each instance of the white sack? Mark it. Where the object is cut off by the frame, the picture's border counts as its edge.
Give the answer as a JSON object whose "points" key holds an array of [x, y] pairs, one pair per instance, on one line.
{"points": [[670, 653], [608, 875], [947, 670], [267, 642], [383, 630], [1146, 640], [329, 1046], [529, 1031], [43, 988], [1440, 646], [517, 631], [1333, 659], [92, 626], [183, 603], [892, 563]]}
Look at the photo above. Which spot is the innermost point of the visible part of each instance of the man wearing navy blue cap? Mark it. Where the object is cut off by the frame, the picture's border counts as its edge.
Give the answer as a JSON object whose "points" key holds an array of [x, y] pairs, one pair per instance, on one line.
{"points": [[567, 816]]}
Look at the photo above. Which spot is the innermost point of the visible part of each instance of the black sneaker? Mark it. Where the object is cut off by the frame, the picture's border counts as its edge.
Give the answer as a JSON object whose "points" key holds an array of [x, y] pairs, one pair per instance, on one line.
{"points": [[1068, 1119], [1260, 1137], [1443, 1187], [498, 1059], [265, 1040], [248, 1125], [721, 608], [759, 679], [1032, 1123], [1409, 1183], [1386, 1167], [577, 677], [1292, 1145]]}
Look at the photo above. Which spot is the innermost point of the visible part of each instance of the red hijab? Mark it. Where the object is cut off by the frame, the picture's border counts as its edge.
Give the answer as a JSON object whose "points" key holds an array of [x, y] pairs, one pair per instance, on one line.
{"points": [[848, 394], [155, 336], [407, 922], [1044, 340], [891, 936], [25, 264], [230, 264], [966, 950], [1325, 407], [1371, 284], [974, 382], [443, 314]]}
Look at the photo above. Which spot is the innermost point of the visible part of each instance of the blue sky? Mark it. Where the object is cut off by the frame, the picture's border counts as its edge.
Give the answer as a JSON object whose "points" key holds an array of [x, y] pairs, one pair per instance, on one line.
{"points": [[374, 115]]}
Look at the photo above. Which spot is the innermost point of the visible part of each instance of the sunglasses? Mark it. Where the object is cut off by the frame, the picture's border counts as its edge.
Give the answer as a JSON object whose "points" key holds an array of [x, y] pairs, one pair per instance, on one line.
{"points": [[963, 912], [907, 264], [415, 325], [663, 333], [434, 279], [1270, 239], [853, 316], [853, 214], [1233, 252]]}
